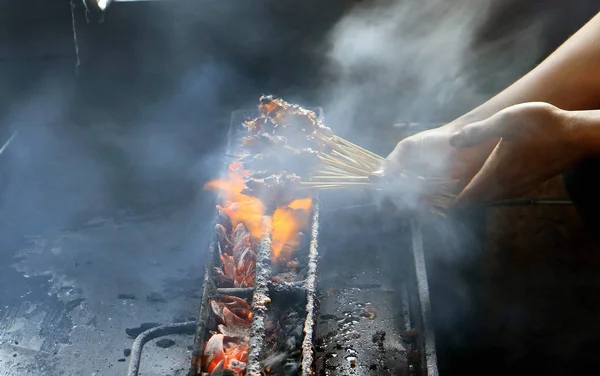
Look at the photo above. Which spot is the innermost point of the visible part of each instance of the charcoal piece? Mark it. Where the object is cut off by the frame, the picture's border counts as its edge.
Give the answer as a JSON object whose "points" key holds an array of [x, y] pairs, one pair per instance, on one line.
{"points": [[121, 360], [134, 332], [127, 352], [126, 296], [291, 369], [378, 337], [284, 333], [165, 343], [224, 220], [155, 297]]}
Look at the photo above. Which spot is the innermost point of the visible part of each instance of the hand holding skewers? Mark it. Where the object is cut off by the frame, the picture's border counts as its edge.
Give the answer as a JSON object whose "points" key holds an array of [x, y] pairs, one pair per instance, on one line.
{"points": [[291, 138]]}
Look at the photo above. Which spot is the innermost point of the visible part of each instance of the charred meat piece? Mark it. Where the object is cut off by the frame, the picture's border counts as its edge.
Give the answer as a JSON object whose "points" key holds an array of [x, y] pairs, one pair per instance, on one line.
{"points": [[291, 119], [260, 124], [279, 189]]}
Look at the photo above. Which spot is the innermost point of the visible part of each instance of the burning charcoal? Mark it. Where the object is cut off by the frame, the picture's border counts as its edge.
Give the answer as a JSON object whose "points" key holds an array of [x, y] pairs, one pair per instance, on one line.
{"points": [[233, 315], [224, 220], [221, 280], [223, 238], [240, 233], [224, 353], [134, 332], [237, 263], [165, 343]]}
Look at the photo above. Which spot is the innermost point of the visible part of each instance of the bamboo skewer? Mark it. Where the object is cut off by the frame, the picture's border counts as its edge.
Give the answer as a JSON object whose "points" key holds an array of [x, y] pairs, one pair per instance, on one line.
{"points": [[349, 166], [346, 165]]}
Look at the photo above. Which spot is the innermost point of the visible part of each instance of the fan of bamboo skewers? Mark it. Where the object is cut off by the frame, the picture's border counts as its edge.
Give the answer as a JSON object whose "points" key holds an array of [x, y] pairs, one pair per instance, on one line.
{"points": [[350, 166]]}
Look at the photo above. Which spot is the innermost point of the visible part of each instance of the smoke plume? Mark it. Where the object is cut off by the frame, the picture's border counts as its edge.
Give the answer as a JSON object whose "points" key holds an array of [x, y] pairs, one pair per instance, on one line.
{"points": [[420, 61]]}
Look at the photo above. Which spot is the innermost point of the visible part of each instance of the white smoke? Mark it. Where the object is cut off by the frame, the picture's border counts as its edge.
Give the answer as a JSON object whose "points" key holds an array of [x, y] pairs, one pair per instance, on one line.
{"points": [[415, 60]]}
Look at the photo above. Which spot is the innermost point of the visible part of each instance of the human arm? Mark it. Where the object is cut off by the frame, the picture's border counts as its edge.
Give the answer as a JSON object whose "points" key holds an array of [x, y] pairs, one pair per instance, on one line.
{"points": [[568, 79], [538, 141]]}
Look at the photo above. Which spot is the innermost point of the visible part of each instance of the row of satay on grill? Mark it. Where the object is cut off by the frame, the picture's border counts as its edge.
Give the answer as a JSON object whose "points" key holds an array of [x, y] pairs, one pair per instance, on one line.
{"points": [[283, 146], [272, 144]]}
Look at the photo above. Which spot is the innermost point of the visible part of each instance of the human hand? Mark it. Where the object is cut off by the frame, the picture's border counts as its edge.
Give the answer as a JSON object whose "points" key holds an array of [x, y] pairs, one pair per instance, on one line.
{"points": [[537, 142], [430, 155]]}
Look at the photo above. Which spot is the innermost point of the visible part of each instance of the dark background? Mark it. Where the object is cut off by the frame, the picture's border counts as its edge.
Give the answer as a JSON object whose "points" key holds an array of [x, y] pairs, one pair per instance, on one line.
{"points": [[175, 68], [126, 114]]}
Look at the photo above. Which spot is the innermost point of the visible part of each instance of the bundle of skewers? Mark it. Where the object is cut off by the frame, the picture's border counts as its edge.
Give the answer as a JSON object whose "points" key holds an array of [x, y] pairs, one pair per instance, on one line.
{"points": [[293, 140]]}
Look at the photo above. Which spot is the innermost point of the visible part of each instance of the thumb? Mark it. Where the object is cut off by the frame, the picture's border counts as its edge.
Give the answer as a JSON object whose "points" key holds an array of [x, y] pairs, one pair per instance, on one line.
{"points": [[404, 152], [472, 134]]}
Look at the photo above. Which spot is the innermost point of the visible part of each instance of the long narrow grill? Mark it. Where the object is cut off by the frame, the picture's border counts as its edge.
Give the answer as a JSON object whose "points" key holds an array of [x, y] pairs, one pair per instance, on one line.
{"points": [[274, 296], [292, 328]]}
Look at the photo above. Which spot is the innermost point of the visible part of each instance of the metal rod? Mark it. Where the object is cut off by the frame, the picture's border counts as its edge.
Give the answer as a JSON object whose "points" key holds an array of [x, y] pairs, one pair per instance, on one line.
{"points": [[150, 334], [311, 286], [423, 292], [259, 301]]}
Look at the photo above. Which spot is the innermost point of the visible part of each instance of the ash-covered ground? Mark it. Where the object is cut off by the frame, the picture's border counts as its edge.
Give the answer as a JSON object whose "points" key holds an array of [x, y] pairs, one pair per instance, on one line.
{"points": [[68, 296]]}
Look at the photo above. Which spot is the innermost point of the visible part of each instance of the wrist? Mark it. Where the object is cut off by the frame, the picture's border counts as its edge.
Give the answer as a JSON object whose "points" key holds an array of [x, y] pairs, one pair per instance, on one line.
{"points": [[582, 129]]}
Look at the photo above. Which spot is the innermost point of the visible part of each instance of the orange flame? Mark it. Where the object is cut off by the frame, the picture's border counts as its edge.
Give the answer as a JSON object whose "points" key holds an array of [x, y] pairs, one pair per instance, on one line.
{"points": [[239, 207], [286, 224]]}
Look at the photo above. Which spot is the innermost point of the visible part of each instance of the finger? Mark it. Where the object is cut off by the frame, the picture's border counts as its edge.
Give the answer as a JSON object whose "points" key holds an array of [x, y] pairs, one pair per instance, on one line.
{"points": [[474, 134], [404, 151]]}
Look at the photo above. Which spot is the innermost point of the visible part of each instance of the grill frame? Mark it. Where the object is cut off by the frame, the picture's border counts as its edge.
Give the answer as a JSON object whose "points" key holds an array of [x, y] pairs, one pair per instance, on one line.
{"points": [[416, 304], [263, 286]]}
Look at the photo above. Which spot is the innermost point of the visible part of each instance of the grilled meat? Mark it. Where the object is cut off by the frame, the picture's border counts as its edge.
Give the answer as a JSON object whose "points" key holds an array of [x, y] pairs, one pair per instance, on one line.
{"points": [[278, 189]]}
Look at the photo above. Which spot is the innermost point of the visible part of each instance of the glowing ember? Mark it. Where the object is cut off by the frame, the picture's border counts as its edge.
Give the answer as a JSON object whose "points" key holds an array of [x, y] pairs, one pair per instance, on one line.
{"points": [[286, 224], [228, 349]]}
